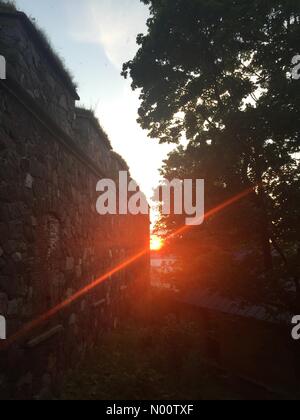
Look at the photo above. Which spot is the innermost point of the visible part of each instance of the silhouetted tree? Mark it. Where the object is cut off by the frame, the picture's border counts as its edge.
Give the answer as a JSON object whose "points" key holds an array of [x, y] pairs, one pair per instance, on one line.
{"points": [[219, 73]]}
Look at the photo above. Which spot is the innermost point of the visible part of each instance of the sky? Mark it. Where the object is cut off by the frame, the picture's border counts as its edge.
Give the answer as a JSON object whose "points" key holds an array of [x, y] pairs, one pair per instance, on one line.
{"points": [[95, 37]]}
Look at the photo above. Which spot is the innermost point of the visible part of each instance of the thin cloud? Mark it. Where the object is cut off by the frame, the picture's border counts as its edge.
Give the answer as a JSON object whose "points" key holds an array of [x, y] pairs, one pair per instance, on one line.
{"points": [[112, 23]]}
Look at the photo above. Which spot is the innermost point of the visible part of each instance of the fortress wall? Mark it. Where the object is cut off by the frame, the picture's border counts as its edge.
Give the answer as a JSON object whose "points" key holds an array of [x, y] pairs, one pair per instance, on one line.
{"points": [[52, 241]]}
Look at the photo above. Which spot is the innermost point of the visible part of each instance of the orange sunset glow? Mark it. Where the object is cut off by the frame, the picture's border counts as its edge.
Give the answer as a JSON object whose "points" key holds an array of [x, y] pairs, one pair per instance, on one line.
{"points": [[149, 181], [156, 243]]}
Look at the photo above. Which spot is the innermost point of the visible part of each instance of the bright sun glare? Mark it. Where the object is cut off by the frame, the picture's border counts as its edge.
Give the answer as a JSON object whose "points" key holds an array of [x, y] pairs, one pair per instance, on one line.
{"points": [[156, 243]]}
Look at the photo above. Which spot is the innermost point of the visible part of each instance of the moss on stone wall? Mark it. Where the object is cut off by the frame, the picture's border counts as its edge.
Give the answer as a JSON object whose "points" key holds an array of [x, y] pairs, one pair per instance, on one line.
{"points": [[90, 114], [42, 39], [7, 6]]}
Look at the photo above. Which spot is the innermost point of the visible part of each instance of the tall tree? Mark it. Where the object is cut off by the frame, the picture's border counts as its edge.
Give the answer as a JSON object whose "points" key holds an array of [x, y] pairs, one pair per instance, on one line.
{"points": [[219, 73]]}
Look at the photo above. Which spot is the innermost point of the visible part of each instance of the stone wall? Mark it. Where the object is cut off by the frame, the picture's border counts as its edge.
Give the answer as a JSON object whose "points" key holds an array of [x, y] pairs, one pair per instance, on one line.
{"points": [[52, 241], [88, 135], [32, 63]]}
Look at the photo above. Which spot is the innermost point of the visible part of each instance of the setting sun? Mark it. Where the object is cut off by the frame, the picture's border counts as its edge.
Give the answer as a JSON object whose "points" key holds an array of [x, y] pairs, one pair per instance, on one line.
{"points": [[156, 243]]}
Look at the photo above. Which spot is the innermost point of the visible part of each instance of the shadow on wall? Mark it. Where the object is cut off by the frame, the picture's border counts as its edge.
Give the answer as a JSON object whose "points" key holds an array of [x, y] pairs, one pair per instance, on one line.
{"points": [[52, 241]]}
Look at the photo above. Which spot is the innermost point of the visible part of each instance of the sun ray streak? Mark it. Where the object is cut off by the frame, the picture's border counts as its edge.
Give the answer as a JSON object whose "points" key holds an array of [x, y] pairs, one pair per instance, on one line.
{"points": [[27, 328]]}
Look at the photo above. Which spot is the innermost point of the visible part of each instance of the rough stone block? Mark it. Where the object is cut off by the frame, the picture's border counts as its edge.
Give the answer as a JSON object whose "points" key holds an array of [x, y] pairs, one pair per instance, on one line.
{"points": [[28, 181], [70, 264]]}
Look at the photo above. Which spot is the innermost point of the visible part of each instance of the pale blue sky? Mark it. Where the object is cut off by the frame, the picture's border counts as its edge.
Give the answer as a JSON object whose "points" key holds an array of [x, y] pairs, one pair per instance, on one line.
{"points": [[95, 37]]}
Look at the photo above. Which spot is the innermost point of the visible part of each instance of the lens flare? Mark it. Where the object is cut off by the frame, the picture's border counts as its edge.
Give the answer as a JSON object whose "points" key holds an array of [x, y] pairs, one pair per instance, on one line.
{"points": [[156, 243]]}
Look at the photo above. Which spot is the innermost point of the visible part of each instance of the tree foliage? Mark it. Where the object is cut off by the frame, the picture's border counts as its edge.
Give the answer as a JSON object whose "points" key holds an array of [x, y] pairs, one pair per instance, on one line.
{"points": [[218, 73]]}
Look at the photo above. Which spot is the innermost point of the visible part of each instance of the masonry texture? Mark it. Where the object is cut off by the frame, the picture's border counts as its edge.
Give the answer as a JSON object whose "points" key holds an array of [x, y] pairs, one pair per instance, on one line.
{"points": [[52, 241]]}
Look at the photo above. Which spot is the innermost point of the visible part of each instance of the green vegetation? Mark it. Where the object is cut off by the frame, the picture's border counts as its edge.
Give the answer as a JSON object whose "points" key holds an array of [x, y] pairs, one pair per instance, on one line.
{"points": [[154, 363], [220, 72], [90, 114], [7, 6], [55, 57], [45, 43]]}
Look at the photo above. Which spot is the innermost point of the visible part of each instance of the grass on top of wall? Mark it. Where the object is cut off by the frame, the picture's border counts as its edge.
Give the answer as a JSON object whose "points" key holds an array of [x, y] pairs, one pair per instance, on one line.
{"points": [[10, 6], [7, 6], [90, 114]]}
